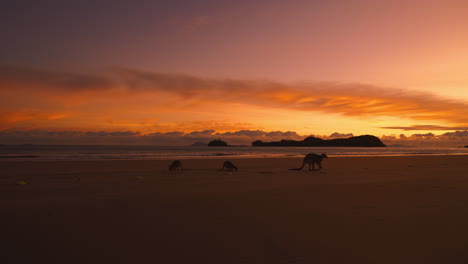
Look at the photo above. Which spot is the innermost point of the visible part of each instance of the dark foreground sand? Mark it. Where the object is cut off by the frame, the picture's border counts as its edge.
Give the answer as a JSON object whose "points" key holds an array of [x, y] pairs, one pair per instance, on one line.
{"points": [[359, 210]]}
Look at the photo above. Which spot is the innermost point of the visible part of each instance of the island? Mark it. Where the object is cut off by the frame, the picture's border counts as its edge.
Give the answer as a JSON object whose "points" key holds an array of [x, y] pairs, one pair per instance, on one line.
{"points": [[359, 141], [217, 143]]}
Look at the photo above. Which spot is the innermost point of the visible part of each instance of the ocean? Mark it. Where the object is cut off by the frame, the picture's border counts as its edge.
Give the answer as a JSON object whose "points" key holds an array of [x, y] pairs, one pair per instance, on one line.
{"points": [[86, 152]]}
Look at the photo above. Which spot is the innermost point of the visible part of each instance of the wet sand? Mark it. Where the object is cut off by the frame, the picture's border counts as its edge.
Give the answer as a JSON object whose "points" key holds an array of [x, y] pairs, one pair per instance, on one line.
{"points": [[356, 210]]}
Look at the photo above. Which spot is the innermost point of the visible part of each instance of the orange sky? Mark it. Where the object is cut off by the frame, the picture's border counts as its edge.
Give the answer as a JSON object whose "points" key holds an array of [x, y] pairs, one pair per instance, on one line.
{"points": [[313, 67]]}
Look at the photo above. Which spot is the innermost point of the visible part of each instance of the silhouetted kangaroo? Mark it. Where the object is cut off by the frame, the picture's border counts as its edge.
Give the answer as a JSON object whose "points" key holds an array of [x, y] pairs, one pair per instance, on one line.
{"points": [[311, 159], [229, 166], [175, 165]]}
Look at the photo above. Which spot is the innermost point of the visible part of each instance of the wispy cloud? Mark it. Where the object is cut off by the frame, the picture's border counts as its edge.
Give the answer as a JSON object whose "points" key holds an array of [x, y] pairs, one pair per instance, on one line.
{"points": [[38, 136], [28, 79], [427, 127], [172, 92], [241, 137], [8, 119], [453, 139]]}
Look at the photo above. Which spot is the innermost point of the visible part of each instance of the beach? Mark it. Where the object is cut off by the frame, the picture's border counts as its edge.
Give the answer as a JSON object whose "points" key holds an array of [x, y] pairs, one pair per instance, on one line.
{"points": [[394, 209]]}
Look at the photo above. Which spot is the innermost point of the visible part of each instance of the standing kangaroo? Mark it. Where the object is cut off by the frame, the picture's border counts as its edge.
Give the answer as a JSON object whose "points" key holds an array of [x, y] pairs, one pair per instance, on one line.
{"points": [[311, 159], [175, 165], [229, 166]]}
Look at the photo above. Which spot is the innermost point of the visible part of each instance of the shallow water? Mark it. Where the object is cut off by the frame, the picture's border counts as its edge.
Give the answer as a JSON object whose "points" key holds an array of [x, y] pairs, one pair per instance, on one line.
{"points": [[76, 152]]}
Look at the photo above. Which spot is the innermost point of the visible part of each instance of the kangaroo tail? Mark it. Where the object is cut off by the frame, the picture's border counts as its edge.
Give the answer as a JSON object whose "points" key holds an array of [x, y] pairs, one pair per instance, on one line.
{"points": [[303, 164]]}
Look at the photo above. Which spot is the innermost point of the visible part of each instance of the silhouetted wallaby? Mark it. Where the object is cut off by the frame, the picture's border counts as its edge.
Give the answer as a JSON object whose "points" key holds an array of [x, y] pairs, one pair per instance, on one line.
{"points": [[175, 165], [311, 159], [229, 166]]}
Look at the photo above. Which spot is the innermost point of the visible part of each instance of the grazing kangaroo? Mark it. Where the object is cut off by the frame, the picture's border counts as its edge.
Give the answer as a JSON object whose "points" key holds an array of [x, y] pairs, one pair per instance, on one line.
{"points": [[175, 165], [311, 159], [229, 166]]}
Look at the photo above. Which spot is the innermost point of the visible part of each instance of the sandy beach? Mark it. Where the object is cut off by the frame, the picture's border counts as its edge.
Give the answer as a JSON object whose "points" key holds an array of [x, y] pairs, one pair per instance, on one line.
{"points": [[356, 210]]}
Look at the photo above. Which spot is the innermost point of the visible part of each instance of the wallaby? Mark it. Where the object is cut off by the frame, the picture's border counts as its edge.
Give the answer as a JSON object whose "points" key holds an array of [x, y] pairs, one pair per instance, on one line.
{"points": [[311, 159], [229, 166], [175, 165]]}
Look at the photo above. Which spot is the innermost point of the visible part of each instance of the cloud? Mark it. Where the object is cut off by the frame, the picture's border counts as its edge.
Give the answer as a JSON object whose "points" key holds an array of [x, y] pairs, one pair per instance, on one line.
{"points": [[173, 133], [427, 127], [113, 134], [122, 89], [248, 133], [8, 119], [201, 133], [345, 99], [449, 139], [457, 134], [30, 79], [178, 138], [340, 135], [37, 136]]}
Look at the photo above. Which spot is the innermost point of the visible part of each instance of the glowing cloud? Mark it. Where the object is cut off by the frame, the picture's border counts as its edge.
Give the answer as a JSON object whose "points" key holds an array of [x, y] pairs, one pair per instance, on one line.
{"points": [[140, 98], [427, 127]]}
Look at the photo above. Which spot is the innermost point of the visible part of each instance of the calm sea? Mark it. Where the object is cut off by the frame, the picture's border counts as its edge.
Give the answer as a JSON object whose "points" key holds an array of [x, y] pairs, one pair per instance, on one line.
{"points": [[57, 152]]}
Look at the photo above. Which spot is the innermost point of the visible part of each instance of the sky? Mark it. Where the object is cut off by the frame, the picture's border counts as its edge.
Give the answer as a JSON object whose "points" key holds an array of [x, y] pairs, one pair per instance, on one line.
{"points": [[397, 69]]}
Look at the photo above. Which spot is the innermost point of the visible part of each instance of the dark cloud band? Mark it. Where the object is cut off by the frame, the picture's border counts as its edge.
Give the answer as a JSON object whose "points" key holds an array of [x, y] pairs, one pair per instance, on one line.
{"points": [[347, 99]]}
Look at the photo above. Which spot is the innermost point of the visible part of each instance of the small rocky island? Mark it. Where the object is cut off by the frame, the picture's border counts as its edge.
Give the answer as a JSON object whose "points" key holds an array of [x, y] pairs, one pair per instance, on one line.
{"points": [[359, 141], [217, 143]]}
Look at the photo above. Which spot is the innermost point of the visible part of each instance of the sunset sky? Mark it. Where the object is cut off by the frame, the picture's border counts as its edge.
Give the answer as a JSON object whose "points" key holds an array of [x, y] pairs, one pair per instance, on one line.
{"points": [[385, 67]]}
